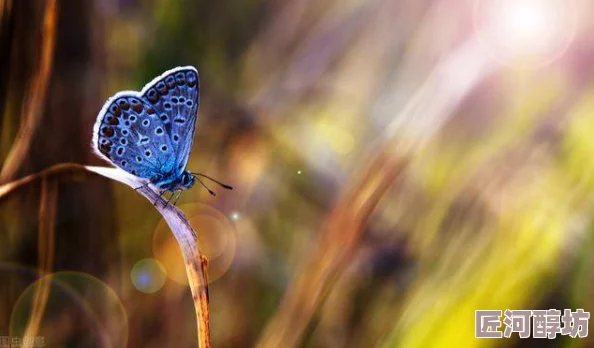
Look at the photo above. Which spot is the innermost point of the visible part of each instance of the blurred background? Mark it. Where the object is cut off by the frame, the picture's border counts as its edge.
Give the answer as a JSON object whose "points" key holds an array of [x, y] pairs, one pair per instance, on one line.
{"points": [[397, 165]]}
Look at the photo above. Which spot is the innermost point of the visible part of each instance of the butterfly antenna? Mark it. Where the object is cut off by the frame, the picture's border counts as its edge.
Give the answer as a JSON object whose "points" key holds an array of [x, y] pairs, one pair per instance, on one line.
{"points": [[206, 187], [213, 180]]}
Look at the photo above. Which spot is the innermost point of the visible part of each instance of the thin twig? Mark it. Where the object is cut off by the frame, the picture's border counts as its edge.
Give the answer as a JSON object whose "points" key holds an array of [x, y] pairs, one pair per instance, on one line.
{"points": [[47, 221]]}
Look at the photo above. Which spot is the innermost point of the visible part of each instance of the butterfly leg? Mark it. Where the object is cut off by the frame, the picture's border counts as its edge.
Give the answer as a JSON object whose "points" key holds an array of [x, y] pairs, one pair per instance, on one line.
{"points": [[160, 198], [146, 184], [170, 197], [178, 195], [143, 186]]}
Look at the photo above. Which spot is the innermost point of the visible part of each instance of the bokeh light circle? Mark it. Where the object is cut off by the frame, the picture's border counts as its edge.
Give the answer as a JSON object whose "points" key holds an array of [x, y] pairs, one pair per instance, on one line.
{"points": [[216, 238], [148, 276], [235, 215], [78, 306], [525, 33]]}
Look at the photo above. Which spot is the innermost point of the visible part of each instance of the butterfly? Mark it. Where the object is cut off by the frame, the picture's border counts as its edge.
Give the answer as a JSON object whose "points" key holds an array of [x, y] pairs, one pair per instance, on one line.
{"points": [[150, 133]]}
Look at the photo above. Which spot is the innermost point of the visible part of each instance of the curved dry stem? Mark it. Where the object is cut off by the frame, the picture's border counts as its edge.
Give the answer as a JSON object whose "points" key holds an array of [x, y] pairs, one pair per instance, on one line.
{"points": [[33, 103], [196, 263], [63, 168], [337, 242]]}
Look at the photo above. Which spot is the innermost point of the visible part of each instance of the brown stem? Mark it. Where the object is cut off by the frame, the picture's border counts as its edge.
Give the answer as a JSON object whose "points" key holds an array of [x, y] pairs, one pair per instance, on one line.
{"points": [[339, 238], [196, 262], [4, 7]]}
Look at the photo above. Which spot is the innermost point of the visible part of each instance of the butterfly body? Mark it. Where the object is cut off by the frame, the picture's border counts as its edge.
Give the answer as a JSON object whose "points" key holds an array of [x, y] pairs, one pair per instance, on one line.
{"points": [[174, 182], [150, 133]]}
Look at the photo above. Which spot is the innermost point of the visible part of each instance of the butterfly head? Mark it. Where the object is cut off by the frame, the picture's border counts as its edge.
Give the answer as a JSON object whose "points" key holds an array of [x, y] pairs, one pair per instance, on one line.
{"points": [[187, 180]]}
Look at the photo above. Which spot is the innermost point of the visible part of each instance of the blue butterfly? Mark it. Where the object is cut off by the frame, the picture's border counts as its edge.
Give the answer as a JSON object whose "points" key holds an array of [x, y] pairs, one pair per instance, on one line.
{"points": [[150, 133]]}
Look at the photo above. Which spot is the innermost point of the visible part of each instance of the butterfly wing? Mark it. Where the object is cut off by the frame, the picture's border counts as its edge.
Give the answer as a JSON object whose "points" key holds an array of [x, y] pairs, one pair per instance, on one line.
{"points": [[129, 133], [175, 96]]}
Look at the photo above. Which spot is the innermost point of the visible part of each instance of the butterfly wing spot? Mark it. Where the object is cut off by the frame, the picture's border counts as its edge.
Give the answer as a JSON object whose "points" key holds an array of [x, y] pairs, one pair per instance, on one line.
{"points": [[120, 151], [107, 131], [161, 88], [138, 159], [152, 95], [143, 140], [112, 120], [115, 110], [180, 78], [182, 100], [164, 148], [179, 120], [159, 131], [127, 123], [147, 153], [170, 81], [133, 118], [151, 112], [175, 138], [146, 123], [167, 106], [123, 103], [125, 132], [124, 163], [124, 141], [191, 78], [133, 172], [105, 148], [189, 103], [136, 105], [174, 100]]}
